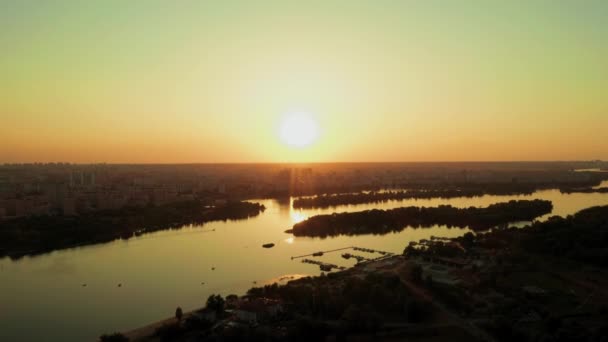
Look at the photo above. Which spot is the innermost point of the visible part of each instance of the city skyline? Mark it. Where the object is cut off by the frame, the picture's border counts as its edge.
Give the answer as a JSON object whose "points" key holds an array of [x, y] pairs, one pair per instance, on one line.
{"points": [[147, 82]]}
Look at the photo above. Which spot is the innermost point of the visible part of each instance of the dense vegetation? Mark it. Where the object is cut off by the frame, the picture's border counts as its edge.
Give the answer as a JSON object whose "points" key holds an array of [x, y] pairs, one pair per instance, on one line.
{"points": [[386, 221], [331, 200], [563, 259], [441, 191], [353, 304], [339, 304], [582, 237], [601, 190], [33, 235]]}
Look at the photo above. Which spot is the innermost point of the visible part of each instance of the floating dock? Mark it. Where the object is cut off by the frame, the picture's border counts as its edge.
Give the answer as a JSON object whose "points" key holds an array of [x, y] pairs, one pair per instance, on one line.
{"points": [[329, 267], [322, 265]]}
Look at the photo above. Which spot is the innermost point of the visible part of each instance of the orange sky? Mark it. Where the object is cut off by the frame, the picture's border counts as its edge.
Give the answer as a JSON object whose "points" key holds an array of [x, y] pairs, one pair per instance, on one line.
{"points": [[383, 81]]}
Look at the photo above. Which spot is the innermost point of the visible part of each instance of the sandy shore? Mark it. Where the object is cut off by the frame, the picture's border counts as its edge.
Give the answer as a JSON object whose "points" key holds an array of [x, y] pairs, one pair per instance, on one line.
{"points": [[146, 332]]}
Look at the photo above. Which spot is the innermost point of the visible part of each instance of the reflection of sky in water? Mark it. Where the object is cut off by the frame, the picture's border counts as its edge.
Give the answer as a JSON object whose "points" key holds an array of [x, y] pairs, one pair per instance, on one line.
{"points": [[162, 270], [603, 184]]}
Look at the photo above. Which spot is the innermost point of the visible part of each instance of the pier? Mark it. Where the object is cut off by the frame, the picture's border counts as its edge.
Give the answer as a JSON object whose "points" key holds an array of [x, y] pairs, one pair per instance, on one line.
{"points": [[327, 267], [320, 253], [361, 249], [323, 265], [369, 250]]}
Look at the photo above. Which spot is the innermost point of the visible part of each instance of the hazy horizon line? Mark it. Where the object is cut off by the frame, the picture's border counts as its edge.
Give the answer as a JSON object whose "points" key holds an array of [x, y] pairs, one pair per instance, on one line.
{"points": [[305, 163]]}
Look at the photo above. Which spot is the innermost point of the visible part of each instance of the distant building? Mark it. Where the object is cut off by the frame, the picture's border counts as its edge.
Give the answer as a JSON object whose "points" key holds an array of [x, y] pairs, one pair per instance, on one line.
{"points": [[68, 207], [258, 310], [207, 315]]}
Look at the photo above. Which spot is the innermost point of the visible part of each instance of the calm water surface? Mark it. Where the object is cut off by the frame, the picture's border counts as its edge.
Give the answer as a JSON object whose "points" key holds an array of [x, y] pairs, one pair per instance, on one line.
{"points": [[42, 297]]}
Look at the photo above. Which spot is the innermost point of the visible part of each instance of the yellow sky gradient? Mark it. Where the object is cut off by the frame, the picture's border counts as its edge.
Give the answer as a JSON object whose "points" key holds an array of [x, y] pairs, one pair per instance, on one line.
{"points": [[386, 81]]}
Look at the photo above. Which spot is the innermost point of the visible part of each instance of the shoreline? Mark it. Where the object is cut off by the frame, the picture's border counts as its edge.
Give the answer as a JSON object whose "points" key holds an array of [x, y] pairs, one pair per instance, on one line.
{"points": [[64, 232], [146, 332]]}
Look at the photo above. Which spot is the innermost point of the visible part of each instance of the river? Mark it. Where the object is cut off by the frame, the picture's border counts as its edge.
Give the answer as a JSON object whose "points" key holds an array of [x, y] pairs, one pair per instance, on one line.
{"points": [[42, 298]]}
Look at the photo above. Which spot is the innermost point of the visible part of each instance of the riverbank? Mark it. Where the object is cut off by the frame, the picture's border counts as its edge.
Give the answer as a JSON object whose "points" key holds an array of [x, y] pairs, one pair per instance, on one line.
{"points": [[395, 307], [37, 235], [148, 333], [529, 288], [443, 191]]}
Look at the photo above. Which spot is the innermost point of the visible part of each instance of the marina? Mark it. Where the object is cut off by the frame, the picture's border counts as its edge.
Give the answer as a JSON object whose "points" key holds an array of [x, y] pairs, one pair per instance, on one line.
{"points": [[327, 267]]}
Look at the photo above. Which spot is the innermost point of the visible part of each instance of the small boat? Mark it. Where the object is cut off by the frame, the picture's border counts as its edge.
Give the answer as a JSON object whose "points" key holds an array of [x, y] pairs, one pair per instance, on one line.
{"points": [[213, 268], [317, 254], [119, 285], [268, 245]]}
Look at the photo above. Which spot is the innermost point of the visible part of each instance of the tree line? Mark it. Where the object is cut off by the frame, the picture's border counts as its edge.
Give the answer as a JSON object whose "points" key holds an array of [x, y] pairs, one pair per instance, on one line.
{"points": [[39, 234], [394, 220]]}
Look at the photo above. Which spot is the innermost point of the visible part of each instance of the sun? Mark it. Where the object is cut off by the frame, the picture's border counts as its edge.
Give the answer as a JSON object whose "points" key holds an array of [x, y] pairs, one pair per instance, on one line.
{"points": [[298, 129]]}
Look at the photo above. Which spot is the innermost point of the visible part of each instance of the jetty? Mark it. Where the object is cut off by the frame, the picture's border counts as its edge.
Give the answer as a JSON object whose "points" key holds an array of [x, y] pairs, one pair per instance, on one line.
{"points": [[327, 267], [369, 250], [360, 249], [320, 253], [360, 259]]}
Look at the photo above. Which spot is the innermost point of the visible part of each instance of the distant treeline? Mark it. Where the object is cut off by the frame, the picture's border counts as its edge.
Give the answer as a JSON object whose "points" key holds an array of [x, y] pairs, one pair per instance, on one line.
{"points": [[603, 190], [438, 191], [33, 235], [394, 220]]}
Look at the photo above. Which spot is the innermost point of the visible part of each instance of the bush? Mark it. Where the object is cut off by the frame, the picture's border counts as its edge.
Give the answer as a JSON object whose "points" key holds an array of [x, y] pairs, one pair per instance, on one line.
{"points": [[115, 337], [168, 332]]}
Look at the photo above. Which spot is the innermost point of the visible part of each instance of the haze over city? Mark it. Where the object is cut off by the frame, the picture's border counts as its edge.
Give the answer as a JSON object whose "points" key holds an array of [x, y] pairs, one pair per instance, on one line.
{"points": [[154, 82]]}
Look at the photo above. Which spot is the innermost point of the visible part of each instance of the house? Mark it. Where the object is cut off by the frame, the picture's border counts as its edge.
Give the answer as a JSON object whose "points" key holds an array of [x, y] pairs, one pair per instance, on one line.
{"points": [[207, 315], [257, 310], [451, 262]]}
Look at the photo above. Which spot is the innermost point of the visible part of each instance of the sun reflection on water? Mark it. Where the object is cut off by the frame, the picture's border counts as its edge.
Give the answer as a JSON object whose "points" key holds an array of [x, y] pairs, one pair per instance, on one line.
{"points": [[297, 217]]}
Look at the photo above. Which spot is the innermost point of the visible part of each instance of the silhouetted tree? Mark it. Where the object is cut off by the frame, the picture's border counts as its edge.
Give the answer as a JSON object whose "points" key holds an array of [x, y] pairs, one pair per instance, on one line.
{"points": [[410, 251], [216, 303], [179, 313], [468, 240]]}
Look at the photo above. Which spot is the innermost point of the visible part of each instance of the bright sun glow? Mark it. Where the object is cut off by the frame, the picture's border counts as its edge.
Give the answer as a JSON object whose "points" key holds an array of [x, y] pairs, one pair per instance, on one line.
{"points": [[297, 217], [298, 129]]}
